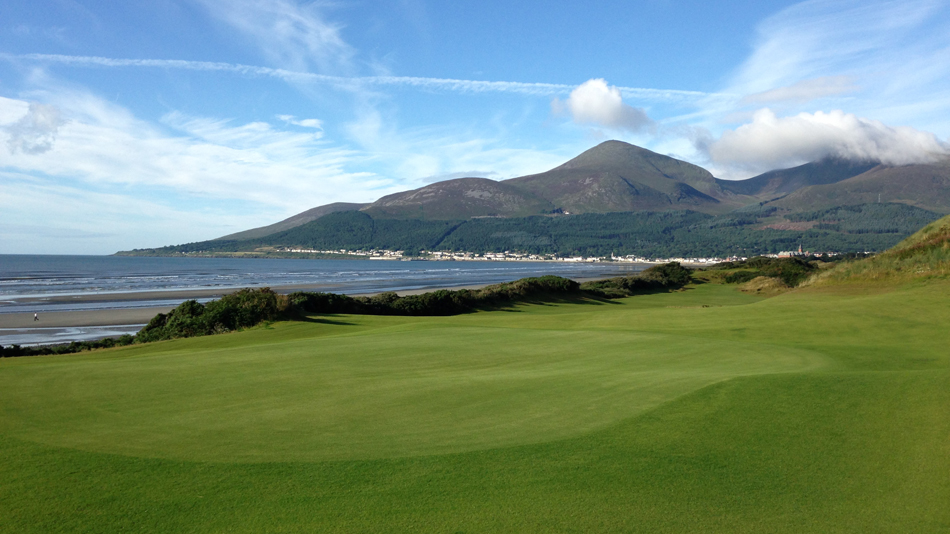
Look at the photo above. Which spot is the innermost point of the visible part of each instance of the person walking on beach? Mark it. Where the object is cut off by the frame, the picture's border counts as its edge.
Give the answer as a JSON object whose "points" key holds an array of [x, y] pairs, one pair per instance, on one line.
{"points": [[36, 317]]}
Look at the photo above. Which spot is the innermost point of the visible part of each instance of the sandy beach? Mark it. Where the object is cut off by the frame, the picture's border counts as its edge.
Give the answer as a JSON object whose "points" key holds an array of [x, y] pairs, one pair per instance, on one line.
{"points": [[125, 316], [141, 315]]}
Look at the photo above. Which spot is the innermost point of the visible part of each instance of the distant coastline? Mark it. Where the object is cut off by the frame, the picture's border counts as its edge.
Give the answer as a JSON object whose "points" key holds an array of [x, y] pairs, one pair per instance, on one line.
{"points": [[399, 255]]}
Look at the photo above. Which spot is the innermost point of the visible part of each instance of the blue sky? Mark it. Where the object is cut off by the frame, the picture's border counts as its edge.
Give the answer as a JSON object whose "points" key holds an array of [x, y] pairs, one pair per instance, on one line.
{"points": [[139, 124]]}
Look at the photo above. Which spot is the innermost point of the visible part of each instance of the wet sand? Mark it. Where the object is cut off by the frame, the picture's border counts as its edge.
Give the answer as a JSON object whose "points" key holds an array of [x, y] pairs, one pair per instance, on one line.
{"points": [[125, 316]]}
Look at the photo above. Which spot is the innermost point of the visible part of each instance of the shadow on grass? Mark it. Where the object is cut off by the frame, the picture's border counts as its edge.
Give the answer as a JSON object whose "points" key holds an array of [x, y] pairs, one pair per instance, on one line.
{"points": [[586, 298], [548, 300], [321, 319]]}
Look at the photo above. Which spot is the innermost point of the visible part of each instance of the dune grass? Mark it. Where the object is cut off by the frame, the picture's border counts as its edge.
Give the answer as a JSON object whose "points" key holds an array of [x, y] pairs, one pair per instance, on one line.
{"points": [[704, 410], [921, 256]]}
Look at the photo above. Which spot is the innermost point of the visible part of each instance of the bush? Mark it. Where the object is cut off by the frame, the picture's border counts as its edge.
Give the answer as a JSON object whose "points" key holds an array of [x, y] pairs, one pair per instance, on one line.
{"points": [[242, 309]]}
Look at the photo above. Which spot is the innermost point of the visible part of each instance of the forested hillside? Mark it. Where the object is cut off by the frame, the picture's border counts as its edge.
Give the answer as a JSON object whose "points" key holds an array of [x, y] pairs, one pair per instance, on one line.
{"points": [[751, 231]]}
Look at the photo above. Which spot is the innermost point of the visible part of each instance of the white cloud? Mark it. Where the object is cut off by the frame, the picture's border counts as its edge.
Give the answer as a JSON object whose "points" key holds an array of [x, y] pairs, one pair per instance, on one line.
{"points": [[771, 142], [595, 102], [36, 131], [290, 35]]}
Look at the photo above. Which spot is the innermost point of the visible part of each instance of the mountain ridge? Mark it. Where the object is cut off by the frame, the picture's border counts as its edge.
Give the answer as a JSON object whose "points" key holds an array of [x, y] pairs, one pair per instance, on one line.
{"points": [[774, 184]]}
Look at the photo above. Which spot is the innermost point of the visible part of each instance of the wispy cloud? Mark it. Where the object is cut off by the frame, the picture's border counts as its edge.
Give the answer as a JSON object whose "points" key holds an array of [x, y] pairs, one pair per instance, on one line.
{"points": [[845, 37], [256, 162], [358, 82], [805, 90], [272, 171], [290, 35]]}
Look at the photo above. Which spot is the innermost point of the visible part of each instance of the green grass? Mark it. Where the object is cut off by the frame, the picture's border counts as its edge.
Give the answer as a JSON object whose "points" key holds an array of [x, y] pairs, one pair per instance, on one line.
{"points": [[704, 410]]}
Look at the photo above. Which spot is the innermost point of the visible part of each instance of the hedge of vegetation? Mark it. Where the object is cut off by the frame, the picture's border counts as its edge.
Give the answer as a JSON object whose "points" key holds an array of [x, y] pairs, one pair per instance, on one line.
{"points": [[441, 302]]}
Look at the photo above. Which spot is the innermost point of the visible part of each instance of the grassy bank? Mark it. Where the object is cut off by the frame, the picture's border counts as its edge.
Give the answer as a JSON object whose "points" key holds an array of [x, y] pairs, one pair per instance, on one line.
{"points": [[704, 410]]}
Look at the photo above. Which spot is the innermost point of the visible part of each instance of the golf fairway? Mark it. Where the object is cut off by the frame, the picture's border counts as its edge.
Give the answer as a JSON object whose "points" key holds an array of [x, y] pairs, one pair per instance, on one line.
{"points": [[703, 410]]}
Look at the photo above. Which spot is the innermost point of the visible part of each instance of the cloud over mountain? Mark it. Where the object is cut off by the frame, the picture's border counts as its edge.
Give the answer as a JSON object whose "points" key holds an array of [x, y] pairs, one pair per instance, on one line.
{"points": [[595, 102], [770, 142]]}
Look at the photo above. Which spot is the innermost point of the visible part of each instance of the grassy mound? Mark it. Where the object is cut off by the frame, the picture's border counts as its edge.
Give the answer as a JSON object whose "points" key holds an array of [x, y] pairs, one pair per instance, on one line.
{"points": [[765, 286], [923, 255]]}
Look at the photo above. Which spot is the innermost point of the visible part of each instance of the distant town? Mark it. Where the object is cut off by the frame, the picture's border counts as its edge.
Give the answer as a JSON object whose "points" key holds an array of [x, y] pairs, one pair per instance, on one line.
{"points": [[399, 255]]}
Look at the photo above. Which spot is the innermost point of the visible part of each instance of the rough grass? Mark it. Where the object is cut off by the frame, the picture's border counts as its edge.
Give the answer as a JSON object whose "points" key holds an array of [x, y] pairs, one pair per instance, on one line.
{"points": [[704, 410]]}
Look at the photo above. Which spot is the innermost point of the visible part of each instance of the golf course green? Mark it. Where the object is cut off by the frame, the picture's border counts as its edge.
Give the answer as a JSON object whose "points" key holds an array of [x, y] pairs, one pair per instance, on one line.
{"points": [[825, 409]]}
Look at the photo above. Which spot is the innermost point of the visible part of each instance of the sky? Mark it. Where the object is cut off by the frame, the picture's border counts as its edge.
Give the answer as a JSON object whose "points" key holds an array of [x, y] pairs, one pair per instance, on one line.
{"points": [[142, 124]]}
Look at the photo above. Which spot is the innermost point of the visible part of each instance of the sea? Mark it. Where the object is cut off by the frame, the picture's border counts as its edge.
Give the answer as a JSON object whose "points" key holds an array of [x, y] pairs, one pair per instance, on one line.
{"points": [[47, 283]]}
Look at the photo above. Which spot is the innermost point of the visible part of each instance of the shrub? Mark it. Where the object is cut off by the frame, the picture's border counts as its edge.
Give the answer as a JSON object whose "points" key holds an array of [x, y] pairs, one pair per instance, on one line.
{"points": [[242, 309]]}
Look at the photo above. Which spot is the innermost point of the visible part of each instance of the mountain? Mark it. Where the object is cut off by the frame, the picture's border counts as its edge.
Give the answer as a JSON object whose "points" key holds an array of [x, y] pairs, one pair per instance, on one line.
{"points": [[613, 176], [778, 183], [924, 186], [617, 176], [293, 222], [462, 198]]}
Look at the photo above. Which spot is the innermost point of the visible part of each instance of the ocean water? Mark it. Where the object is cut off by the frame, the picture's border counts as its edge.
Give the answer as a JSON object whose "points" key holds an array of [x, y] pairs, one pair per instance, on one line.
{"points": [[41, 284]]}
